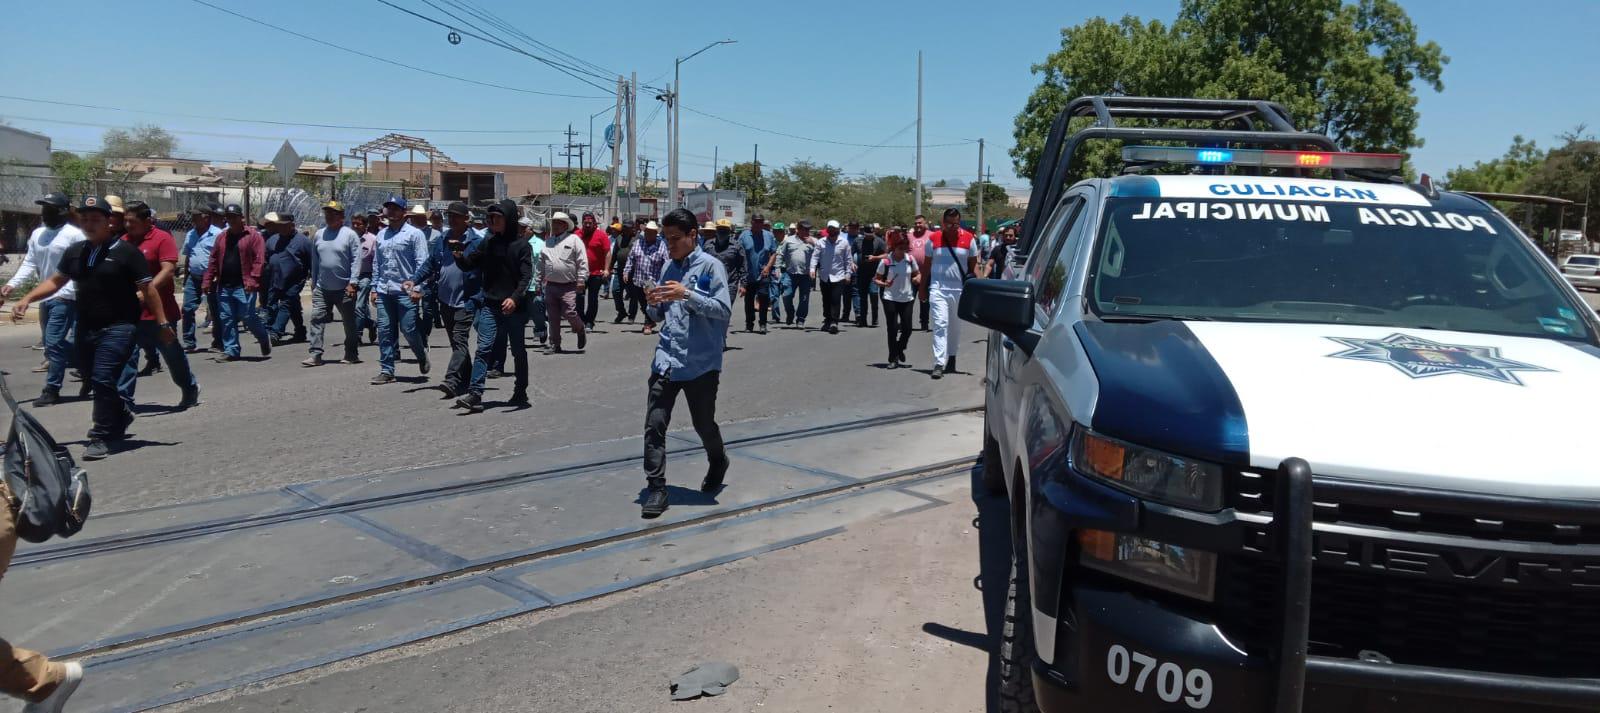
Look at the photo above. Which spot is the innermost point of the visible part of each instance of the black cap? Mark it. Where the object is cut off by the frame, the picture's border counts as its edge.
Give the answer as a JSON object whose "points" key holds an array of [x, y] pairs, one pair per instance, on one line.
{"points": [[232, 209], [95, 203], [285, 217], [55, 200], [853, 221], [204, 209], [458, 208], [805, 224]]}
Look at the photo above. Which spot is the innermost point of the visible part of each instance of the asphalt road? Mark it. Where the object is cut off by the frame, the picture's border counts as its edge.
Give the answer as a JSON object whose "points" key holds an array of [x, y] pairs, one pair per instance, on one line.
{"points": [[268, 423]]}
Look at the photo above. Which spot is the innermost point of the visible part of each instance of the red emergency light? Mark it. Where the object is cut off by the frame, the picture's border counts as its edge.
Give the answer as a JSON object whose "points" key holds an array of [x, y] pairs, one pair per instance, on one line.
{"points": [[1265, 158]]}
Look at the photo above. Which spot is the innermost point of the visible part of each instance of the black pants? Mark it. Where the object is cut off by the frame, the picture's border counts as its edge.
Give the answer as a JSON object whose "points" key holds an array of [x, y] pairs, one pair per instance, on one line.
{"points": [[635, 298], [589, 299], [867, 300], [756, 301], [626, 302], [832, 296], [701, 393], [847, 299], [922, 317], [897, 325], [458, 325]]}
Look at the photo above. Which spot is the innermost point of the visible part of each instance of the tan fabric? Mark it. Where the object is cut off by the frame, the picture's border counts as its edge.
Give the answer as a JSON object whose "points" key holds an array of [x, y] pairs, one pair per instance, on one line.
{"points": [[564, 259], [23, 673]]}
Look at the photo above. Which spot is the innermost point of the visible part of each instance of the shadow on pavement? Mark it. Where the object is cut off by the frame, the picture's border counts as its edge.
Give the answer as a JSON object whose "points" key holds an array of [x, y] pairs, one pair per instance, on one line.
{"points": [[993, 523]]}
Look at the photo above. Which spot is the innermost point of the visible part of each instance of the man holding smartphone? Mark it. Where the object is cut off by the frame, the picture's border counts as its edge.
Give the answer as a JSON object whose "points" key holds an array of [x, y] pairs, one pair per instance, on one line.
{"points": [[693, 307]]}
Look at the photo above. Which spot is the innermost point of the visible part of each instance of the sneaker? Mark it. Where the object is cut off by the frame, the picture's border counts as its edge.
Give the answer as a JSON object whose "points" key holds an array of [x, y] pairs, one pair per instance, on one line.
{"points": [[654, 504], [471, 403], [350, 360], [192, 349], [43, 367], [191, 398], [312, 361], [57, 700], [520, 398], [763, 329], [938, 372], [619, 319], [383, 378], [583, 340], [714, 474], [96, 450], [496, 374], [423, 365], [48, 397], [224, 358]]}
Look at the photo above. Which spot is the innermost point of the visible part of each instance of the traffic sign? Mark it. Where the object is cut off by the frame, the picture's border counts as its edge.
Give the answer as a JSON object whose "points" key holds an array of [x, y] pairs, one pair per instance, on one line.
{"points": [[287, 162], [613, 135]]}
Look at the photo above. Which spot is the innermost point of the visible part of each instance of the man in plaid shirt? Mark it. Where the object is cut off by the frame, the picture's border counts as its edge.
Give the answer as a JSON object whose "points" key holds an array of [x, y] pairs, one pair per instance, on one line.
{"points": [[643, 270]]}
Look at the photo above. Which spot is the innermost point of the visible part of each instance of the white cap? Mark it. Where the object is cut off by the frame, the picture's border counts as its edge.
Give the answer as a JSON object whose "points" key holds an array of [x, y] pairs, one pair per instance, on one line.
{"points": [[526, 222], [563, 217], [833, 223]]}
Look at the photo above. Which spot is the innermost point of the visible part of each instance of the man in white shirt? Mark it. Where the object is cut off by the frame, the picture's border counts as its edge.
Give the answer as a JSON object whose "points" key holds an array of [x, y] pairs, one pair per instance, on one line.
{"points": [[59, 313], [948, 261], [564, 267], [833, 265]]}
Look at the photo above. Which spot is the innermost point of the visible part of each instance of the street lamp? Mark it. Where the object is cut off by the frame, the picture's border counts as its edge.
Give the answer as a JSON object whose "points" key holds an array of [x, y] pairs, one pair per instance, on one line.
{"points": [[676, 96]]}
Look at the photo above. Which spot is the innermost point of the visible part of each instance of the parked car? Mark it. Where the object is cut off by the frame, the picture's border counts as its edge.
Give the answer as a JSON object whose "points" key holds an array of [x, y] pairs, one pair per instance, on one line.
{"points": [[1582, 271]]}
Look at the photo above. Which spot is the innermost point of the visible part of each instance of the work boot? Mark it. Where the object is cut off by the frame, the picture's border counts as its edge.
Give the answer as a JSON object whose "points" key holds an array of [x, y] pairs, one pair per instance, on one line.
{"points": [[714, 474], [471, 403], [85, 390], [48, 397], [619, 319], [382, 378], [96, 450], [520, 398], [191, 398], [583, 340], [266, 347], [57, 700], [449, 392], [655, 503], [423, 365]]}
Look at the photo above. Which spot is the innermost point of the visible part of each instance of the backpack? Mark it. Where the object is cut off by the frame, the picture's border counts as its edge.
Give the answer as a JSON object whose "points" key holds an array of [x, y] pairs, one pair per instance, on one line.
{"points": [[50, 492]]}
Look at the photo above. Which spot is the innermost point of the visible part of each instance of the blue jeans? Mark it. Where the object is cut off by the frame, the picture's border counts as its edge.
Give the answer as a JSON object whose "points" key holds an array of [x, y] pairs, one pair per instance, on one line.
{"points": [[775, 288], [515, 325], [103, 354], [364, 318], [192, 294], [146, 336], [60, 320], [397, 315], [284, 306], [469, 365], [798, 285], [236, 304]]}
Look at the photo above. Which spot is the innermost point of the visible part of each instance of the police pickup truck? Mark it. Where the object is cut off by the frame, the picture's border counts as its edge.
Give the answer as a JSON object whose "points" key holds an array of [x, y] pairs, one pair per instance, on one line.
{"points": [[1276, 432]]}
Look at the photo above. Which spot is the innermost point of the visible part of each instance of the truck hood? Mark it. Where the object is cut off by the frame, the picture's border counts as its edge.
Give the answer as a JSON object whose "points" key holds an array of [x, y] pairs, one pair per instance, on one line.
{"points": [[1453, 410]]}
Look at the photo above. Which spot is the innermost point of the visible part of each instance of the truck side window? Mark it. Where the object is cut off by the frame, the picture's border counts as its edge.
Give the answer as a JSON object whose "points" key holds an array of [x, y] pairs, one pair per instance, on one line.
{"points": [[1049, 267]]}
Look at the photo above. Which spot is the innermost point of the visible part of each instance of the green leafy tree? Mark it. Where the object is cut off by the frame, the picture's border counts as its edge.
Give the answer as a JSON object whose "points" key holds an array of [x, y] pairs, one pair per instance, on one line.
{"points": [[1345, 69], [875, 199], [1570, 171], [994, 197], [744, 176], [803, 189], [142, 141], [581, 183], [1507, 174], [76, 174]]}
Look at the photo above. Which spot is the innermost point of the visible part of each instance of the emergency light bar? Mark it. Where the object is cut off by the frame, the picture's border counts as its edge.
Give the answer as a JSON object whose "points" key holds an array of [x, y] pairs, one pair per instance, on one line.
{"points": [[1264, 158]]}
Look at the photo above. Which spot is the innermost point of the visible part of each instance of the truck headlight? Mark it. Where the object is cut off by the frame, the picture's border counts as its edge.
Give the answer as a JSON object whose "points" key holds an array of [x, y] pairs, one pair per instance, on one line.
{"points": [[1147, 472], [1183, 570]]}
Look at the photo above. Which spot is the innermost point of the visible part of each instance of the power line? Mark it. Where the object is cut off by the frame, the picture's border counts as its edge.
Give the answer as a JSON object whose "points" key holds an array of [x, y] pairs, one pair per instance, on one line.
{"points": [[223, 135], [817, 140], [342, 48], [495, 42], [880, 144], [493, 19], [280, 123]]}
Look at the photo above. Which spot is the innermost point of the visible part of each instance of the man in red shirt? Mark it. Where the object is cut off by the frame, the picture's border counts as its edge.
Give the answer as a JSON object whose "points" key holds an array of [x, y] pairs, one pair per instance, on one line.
{"points": [[161, 253], [598, 244]]}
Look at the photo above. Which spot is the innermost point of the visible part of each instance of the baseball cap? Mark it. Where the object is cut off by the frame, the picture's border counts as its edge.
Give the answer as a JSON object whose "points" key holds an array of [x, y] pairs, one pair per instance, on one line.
{"points": [[334, 206], [95, 204], [115, 202], [272, 217], [419, 210], [779, 226], [804, 224], [56, 200], [458, 208], [232, 209], [833, 223], [395, 200], [525, 222]]}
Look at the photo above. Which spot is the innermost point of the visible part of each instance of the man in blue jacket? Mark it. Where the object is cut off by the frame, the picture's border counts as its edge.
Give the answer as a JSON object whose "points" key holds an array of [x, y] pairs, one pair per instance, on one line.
{"points": [[691, 304], [289, 256], [757, 243]]}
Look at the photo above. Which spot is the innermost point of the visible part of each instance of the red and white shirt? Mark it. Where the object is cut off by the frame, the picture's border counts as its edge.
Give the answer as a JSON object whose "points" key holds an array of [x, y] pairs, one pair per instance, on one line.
{"points": [[949, 266]]}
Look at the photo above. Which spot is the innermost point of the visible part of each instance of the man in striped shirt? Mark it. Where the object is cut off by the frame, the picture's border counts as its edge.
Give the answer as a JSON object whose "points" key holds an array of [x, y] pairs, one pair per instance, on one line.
{"points": [[643, 270]]}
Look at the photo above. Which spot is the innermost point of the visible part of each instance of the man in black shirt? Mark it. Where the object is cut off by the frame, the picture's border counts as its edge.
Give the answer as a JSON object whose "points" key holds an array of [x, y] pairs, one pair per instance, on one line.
{"points": [[995, 261], [506, 262], [869, 250], [113, 282]]}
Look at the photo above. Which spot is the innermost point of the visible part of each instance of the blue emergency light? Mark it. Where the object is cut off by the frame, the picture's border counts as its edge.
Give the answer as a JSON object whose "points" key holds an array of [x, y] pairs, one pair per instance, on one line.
{"points": [[1264, 158]]}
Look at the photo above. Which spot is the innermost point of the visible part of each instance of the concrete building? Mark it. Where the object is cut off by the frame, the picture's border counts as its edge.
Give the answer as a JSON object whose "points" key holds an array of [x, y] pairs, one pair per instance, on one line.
{"points": [[24, 177], [476, 183]]}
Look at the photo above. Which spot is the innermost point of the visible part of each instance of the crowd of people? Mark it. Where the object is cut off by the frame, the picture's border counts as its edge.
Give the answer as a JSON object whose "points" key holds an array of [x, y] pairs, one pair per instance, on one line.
{"points": [[481, 278]]}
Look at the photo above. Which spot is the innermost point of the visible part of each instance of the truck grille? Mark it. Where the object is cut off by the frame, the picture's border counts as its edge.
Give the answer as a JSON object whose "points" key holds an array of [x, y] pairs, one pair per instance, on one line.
{"points": [[1545, 626]]}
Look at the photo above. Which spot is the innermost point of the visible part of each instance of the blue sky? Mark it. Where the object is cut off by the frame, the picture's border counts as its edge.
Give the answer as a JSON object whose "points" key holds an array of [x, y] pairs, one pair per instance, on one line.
{"points": [[823, 69]]}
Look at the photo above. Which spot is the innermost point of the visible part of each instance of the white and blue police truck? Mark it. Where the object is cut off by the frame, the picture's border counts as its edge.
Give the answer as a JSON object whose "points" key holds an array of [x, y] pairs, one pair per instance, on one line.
{"points": [[1276, 430]]}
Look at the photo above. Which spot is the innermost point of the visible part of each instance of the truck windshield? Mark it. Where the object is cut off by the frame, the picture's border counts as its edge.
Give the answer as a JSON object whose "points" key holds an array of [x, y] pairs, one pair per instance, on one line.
{"points": [[1343, 263]]}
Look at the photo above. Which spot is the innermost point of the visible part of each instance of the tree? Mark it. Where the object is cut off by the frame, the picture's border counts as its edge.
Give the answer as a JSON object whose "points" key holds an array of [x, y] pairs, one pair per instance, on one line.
{"points": [[1342, 69], [874, 199], [803, 189], [744, 176], [993, 197], [581, 183], [1506, 174], [1571, 171], [76, 174], [142, 141]]}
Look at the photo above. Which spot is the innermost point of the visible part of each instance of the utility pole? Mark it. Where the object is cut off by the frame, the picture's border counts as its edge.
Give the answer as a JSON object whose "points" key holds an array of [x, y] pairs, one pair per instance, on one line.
{"points": [[612, 201], [756, 158], [714, 154], [919, 133], [672, 146], [567, 153], [980, 186], [633, 148], [644, 167]]}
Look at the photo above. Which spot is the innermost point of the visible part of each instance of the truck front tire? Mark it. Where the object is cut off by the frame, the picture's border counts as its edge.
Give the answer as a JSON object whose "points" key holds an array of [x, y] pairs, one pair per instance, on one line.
{"points": [[1016, 644]]}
